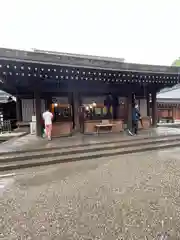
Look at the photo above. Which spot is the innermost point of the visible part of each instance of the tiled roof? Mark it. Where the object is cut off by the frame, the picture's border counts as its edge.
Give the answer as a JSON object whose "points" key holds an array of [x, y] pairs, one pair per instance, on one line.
{"points": [[76, 60], [170, 94]]}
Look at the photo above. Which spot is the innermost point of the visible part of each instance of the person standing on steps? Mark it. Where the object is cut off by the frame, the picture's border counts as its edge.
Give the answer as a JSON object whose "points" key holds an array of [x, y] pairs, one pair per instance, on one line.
{"points": [[48, 116], [136, 116], [138, 112]]}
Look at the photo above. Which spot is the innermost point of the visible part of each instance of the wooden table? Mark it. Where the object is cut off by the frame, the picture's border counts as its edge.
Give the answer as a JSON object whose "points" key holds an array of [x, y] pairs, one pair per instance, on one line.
{"points": [[109, 125]]}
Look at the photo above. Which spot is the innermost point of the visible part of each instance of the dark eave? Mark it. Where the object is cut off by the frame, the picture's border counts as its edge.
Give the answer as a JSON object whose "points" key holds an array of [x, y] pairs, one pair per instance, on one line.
{"points": [[11, 69], [74, 60]]}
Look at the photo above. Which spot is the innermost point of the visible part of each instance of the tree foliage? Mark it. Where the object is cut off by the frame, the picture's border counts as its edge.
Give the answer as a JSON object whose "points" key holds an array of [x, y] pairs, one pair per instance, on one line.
{"points": [[176, 62]]}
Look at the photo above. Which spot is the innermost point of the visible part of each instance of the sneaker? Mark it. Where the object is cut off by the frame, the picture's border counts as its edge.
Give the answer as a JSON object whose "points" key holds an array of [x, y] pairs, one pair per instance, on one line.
{"points": [[49, 138], [130, 133]]}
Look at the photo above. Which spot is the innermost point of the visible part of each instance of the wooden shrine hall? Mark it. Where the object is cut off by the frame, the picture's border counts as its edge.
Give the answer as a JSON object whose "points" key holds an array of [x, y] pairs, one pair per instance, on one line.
{"points": [[168, 104], [67, 83]]}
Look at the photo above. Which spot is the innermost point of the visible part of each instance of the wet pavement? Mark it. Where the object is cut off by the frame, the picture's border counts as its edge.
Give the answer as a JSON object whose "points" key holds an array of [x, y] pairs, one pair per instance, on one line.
{"points": [[29, 142], [10, 135], [128, 197]]}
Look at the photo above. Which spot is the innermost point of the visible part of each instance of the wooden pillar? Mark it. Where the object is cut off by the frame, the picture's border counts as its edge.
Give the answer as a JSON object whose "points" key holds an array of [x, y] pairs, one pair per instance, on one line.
{"points": [[174, 113], [148, 104], [37, 98], [76, 105], [48, 102], [129, 105], [18, 109], [154, 109]]}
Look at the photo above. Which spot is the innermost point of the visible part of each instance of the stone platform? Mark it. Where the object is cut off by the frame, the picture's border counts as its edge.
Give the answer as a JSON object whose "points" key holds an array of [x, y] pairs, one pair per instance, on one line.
{"points": [[31, 142], [30, 151], [11, 135]]}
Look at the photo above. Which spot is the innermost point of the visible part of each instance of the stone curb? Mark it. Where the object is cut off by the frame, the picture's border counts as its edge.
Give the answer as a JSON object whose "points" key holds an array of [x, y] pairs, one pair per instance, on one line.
{"points": [[87, 150], [97, 156]]}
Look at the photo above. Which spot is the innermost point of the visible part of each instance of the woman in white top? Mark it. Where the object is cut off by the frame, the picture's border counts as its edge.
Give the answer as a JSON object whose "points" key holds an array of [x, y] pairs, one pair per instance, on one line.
{"points": [[47, 116]]}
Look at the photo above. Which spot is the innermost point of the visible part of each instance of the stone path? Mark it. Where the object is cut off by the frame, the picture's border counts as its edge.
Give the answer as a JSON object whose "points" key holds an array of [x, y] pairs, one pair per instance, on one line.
{"points": [[130, 197], [9, 135], [24, 142]]}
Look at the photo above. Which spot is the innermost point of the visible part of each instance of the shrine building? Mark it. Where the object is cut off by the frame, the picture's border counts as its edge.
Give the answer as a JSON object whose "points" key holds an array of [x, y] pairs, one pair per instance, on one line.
{"points": [[168, 105], [65, 83]]}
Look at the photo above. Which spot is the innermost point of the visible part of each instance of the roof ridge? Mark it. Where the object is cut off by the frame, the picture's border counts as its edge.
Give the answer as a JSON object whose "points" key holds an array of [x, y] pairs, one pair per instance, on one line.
{"points": [[89, 56], [177, 86]]}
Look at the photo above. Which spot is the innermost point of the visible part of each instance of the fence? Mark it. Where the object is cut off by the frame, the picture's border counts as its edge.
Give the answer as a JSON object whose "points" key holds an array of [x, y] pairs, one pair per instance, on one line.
{"points": [[5, 126]]}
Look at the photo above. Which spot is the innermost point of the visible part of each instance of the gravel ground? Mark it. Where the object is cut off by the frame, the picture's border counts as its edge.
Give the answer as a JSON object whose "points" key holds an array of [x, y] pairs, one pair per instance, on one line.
{"points": [[128, 197]]}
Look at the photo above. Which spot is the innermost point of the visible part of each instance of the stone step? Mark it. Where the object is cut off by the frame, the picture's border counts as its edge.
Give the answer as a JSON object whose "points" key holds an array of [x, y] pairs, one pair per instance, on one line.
{"points": [[86, 155], [84, 149], [54, 146]]}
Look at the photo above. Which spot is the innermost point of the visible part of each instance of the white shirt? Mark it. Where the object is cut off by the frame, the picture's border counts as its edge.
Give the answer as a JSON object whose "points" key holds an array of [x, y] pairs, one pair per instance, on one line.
{"points": [[47, 116]]}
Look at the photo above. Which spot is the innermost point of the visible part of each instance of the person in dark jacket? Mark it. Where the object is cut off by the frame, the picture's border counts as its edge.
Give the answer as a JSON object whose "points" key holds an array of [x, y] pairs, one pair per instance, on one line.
{"points": [[135, 119], [140, 118]]}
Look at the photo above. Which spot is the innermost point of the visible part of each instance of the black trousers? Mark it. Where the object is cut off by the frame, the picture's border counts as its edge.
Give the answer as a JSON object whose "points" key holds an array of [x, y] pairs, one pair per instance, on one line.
{"points": [[135, 127]]}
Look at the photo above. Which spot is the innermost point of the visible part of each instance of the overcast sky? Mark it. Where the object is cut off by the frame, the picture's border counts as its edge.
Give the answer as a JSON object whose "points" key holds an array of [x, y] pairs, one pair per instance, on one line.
{"points": [[142, 31]]}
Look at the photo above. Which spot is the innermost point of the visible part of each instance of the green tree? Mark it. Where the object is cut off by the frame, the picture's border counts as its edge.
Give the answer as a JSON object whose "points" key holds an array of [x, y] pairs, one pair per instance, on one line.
{"points": [[176, 62]]}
